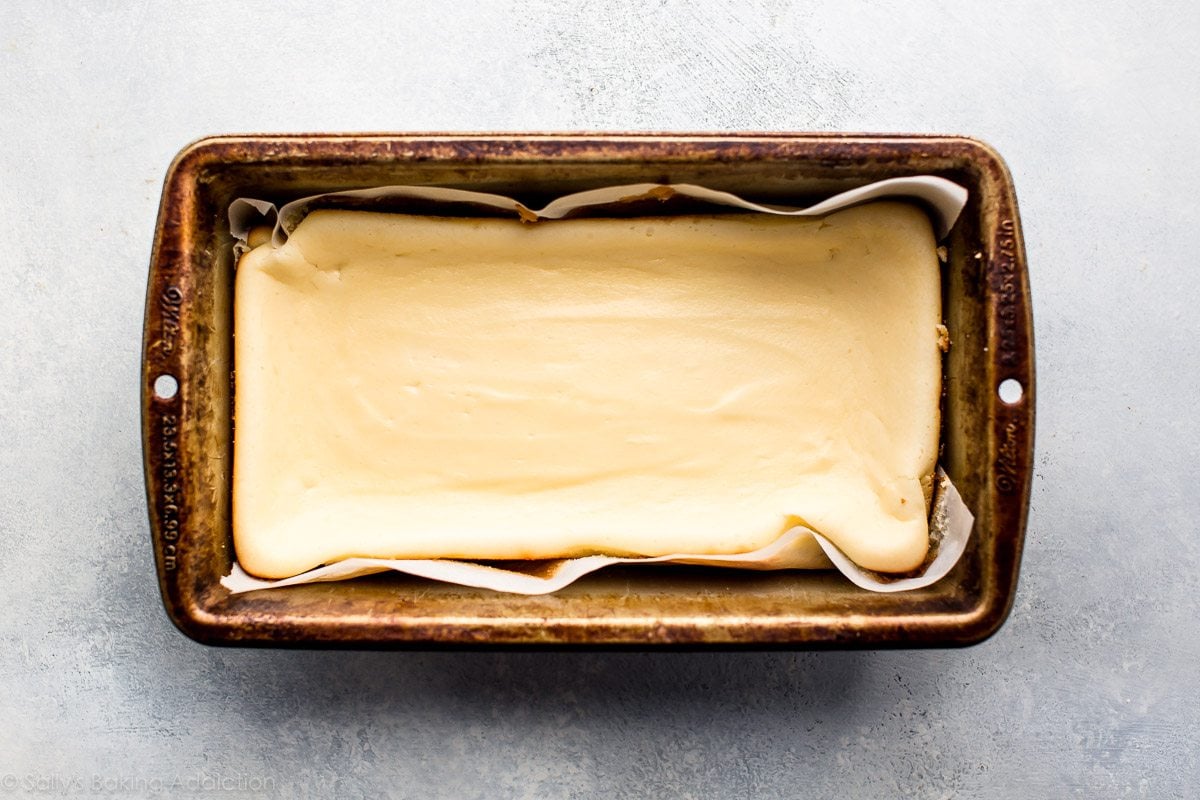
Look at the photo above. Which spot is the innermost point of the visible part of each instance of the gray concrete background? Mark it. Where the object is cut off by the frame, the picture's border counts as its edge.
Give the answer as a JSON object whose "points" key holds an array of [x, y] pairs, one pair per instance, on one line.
{"points": [[1090, 690]]}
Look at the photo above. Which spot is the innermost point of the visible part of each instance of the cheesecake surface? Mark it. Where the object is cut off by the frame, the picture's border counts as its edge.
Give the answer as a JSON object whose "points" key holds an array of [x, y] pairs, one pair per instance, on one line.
{"points": [[429, 387]]}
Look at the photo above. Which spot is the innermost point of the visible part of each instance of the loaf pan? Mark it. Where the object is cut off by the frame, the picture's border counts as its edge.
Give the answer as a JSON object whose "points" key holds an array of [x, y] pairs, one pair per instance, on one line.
{"points": [[188, 380]]}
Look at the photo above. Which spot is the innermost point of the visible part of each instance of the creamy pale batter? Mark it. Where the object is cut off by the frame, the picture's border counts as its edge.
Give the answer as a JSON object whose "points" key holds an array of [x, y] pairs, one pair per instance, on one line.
{"points": [[417, 387]]}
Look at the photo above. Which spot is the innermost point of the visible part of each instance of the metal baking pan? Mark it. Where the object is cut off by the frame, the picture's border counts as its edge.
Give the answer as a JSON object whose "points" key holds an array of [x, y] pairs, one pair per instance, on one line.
{"points": [[188, 385]]}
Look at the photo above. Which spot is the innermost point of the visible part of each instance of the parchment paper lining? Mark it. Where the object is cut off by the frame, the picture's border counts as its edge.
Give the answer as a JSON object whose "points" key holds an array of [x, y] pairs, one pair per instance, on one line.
{"points": [[950, 520]]}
